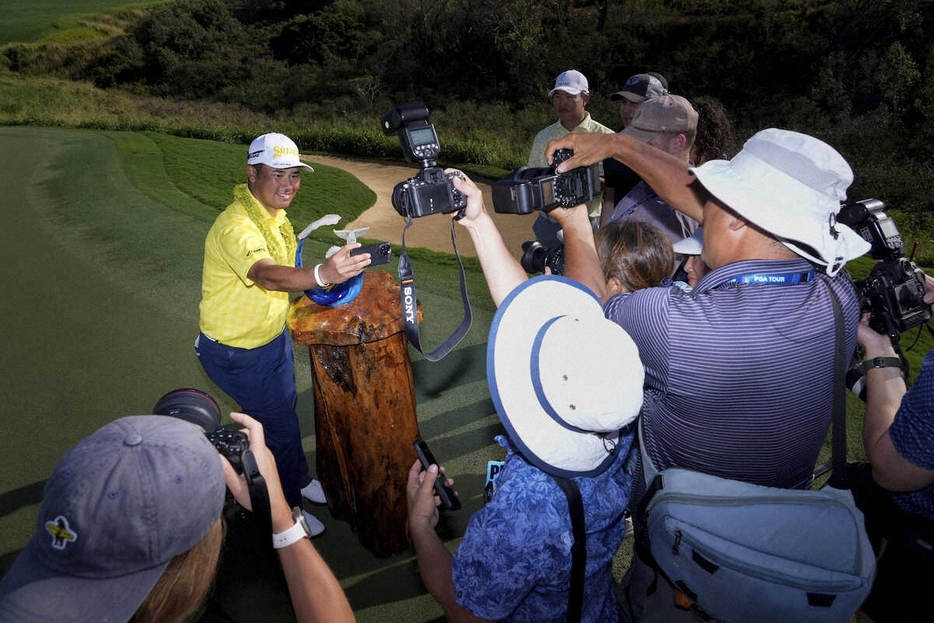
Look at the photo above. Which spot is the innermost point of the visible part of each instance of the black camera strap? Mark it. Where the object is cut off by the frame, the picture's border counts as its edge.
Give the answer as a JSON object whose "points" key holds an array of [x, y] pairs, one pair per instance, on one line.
{"points": [[410, 303], [259, 495]]}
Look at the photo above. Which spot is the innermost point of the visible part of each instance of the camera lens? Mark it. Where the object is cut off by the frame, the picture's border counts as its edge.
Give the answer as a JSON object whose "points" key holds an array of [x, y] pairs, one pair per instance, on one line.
{"points": [[536, 256], [191, 405]]}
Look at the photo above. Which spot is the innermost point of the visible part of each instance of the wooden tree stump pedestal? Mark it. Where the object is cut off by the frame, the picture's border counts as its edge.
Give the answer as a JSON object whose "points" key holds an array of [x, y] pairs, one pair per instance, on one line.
{"points": [[365, 418]]}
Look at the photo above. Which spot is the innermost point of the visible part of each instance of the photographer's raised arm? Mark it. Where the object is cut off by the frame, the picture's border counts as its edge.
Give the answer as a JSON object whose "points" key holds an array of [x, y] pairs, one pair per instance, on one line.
{"points": [[502, 271], [317, 596], [581, 262], [667, 175]]}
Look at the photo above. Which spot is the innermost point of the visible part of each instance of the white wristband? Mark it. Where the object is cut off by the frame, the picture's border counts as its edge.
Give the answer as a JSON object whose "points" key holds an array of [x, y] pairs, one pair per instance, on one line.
{"points": [[293, 535], [296, 533], [320, 283]]}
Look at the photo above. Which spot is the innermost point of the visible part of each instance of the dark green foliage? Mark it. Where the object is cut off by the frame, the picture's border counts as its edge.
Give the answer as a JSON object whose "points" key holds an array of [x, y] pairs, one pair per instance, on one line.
{"points": [[326, 36], [189, 48], [859, 73]]}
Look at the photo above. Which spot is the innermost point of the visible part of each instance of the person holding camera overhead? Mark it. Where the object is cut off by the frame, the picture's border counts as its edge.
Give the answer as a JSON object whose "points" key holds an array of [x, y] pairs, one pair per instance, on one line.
{"points": [[550, 345], [760, 324], [130, 529], [569, 98], [249, 271], [898, 499]]}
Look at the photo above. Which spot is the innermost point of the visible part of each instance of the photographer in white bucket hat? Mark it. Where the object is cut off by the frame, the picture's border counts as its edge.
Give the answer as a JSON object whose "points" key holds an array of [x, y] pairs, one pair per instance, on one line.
{"points": [[566, 383], [739, 372]]}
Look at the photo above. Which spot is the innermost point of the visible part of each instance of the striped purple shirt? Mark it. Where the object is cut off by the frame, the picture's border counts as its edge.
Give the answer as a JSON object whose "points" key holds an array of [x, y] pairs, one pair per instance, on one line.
{"points": [[739, 376]]}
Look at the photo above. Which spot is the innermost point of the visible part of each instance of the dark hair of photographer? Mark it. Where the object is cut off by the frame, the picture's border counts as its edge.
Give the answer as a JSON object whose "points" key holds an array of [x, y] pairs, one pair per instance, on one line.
{"points": [[714, 140], [634, 255]]}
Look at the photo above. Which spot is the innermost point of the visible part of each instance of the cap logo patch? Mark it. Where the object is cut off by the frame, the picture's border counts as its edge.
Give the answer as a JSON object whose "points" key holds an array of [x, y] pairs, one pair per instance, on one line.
{"points": [[283, 151], [632, 80], [61, 532]]}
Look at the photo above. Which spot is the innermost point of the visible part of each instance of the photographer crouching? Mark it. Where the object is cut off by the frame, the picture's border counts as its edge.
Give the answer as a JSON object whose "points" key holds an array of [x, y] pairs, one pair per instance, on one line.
{"points": [[898, 434], [130, 529]]}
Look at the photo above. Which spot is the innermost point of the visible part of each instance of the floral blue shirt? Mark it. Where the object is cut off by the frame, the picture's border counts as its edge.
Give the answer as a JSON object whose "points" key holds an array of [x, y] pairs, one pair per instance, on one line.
{"points": [[912, 434], [514, 562]]}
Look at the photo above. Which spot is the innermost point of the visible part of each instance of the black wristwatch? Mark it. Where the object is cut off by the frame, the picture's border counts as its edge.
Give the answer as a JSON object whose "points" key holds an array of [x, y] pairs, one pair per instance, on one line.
{"points": [[881, 362]]}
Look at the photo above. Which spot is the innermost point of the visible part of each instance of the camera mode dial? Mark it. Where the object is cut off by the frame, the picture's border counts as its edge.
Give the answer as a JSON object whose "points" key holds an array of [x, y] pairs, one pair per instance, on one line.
{"points": [[561, 155]]}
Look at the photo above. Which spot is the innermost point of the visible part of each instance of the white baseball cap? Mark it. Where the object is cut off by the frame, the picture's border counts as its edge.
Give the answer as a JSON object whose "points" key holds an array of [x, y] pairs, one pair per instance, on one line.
{"points": [[572, 82], [691, 246], [275, 150]]}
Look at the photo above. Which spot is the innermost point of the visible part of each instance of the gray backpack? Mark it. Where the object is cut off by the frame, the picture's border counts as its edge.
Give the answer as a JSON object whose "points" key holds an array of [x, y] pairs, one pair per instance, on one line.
{"points": [[749, 553]]}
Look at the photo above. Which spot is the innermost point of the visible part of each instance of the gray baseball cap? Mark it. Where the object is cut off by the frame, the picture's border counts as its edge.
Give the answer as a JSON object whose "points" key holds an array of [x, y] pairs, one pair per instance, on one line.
{"points": [[117, 508], [665, 113]]}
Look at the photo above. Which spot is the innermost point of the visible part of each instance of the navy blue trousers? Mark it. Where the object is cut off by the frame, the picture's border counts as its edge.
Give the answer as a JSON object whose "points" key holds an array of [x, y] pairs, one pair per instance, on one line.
{"points": [[262, 381]]}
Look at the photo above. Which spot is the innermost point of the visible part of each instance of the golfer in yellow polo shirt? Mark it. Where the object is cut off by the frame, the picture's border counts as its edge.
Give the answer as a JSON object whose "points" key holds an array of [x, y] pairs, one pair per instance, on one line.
{"points": [[249, 271]]}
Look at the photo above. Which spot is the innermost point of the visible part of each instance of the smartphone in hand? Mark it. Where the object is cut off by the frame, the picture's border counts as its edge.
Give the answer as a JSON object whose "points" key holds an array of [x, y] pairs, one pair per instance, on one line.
{"points": [[449, 499], [380, 253]]}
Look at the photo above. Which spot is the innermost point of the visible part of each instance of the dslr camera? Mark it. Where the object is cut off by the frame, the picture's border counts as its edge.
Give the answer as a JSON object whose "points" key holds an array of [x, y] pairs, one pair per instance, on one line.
{"points": [[199, 408], [541, 188], [536, 256], [893, 292], [430, 191]]}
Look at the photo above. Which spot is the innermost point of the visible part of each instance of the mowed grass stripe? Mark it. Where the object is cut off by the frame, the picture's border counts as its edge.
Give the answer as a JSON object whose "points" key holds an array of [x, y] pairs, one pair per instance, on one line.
{"points": [[83, 343], [142, 203]]}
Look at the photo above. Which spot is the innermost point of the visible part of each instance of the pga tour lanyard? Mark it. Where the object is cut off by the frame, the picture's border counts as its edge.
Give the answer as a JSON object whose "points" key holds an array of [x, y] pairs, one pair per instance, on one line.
{"points": [[772, 278]]}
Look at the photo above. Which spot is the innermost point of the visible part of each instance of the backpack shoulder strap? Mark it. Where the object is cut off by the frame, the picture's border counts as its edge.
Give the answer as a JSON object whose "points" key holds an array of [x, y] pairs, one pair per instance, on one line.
{"points": [[838, 477], [578, 548]]}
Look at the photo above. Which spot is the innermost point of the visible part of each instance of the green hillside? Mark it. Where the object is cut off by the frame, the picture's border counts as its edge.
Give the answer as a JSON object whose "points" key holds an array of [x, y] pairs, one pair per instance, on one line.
{"points": [[27, 21]]}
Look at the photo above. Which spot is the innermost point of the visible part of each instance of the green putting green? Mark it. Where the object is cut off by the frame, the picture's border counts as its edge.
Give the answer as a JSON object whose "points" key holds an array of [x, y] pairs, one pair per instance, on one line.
{"points": [[101, 249]]}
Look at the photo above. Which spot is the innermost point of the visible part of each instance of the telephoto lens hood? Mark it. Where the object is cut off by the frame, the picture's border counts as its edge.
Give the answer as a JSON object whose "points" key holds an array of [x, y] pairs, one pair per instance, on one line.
{"points": [[191, 405]]}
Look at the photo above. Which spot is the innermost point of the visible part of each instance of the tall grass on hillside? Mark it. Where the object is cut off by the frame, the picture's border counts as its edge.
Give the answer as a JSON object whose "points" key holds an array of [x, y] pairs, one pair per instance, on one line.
{"points": [[64, 21]]}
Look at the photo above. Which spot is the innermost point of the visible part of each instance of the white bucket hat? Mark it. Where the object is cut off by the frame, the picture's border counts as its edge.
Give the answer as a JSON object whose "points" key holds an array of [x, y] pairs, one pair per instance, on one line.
{"points": [[275, 150], [563, 378], [791, 185]]}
